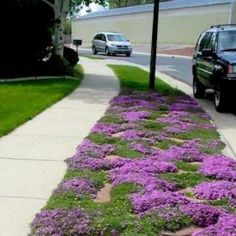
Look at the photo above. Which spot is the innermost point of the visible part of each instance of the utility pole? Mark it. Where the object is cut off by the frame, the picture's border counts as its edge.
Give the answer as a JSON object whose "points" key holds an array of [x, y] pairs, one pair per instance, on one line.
{"points": [[232, 17], [152, 74]]}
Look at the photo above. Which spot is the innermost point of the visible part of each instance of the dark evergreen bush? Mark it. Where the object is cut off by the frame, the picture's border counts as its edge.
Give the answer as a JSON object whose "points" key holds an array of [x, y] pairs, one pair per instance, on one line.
{"points": [[71, 56]]}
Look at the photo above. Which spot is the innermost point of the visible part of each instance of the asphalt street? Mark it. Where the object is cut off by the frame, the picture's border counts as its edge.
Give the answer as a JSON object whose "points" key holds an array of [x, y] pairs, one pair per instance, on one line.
{"points": [[177, 67]]}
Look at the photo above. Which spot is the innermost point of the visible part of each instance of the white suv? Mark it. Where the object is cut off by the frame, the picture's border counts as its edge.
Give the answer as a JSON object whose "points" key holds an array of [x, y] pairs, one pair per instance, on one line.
{"points": [[111, 44]]}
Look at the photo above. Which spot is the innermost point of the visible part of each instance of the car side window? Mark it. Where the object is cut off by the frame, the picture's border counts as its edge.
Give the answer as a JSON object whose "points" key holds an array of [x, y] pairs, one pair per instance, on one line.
{"points": [[199, 42], [212, 42], [204, 41], [96, 36], [103, 37]]}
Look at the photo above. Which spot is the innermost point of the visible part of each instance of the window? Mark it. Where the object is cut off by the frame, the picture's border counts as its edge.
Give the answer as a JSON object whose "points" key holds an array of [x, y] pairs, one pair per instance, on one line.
{"points": [[116, 37], [227, 40], [103, 38], [211, 42], [97, 36], [204, 41]]}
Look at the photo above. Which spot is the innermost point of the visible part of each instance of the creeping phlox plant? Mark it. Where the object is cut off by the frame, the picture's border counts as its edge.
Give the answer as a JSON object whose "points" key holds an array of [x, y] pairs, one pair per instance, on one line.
{"points": [[162, 157]]}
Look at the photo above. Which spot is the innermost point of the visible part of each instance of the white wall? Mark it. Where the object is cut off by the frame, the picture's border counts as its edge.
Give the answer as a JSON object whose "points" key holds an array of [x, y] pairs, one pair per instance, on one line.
{"points": [[177, 26]]}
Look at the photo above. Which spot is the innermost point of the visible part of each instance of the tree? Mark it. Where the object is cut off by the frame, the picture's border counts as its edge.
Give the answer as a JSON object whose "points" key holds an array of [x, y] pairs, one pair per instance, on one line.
{"points": [[23, 47], [127, 3], [62, 9]]}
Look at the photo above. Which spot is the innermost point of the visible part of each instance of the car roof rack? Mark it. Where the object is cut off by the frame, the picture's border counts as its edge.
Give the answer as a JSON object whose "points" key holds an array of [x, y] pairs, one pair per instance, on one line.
{"points": [[223, 25]]}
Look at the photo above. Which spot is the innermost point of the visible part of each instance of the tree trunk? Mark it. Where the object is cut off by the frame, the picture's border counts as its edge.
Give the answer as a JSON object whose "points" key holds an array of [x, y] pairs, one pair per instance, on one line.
{"points": [[60, 8], [61, 11]]}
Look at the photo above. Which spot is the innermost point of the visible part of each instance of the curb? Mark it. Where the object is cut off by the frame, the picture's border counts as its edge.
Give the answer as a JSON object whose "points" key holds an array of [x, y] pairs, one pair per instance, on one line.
{"points": [[31, 78], [148, 54]]}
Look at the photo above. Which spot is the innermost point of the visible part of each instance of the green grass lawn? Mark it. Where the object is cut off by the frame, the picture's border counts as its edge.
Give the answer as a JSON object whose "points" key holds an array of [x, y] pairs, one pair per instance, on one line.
{"points": [[134, 78], [21, 101]]}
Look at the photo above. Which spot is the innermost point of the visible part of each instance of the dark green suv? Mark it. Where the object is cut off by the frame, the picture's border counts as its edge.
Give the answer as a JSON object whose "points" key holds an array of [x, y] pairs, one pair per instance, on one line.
{"points": [[214, 64]]}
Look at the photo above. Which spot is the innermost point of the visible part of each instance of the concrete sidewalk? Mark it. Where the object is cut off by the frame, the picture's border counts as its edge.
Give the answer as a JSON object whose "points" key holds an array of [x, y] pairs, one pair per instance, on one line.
{"points": [[226, 123], [32, 157]]}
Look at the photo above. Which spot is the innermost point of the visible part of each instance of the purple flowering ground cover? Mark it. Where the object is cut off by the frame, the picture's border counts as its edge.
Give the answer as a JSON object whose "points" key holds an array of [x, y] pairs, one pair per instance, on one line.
{"points": [[162, 155]]}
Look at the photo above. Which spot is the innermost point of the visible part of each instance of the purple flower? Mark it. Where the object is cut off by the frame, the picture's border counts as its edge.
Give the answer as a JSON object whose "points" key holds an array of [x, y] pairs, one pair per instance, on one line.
{"points": [[201, 214], [188, 151], [107, 129], [219, 167], [146, 165], [59, 222], [135, 116], [78, 162], [79, 186], [154, 199], [144, 149], [148, 182], [130, 135], [90, 149], [215, 190], [165, 212], [226, 226], [185, 103]]}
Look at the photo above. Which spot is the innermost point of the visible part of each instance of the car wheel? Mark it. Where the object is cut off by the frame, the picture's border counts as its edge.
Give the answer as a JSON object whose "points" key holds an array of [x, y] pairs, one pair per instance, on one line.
{"points": [[128, 54], [94, 50], [107, 51], [220, 99], [198, 88]]}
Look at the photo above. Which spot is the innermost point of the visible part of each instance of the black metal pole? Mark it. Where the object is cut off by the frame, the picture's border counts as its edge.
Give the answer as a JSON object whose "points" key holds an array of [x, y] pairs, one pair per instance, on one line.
{"points": [[154, 45]]}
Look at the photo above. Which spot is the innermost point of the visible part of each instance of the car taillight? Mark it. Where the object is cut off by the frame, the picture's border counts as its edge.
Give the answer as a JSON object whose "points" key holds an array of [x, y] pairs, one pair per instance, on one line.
{"points": [[231, 69]]}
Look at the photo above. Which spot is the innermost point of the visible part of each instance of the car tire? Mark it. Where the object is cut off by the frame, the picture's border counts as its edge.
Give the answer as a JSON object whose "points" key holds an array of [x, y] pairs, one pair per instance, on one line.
{"points": [[128, 54], [94, 50], [198, 88], [107, 51], [220, 99]]}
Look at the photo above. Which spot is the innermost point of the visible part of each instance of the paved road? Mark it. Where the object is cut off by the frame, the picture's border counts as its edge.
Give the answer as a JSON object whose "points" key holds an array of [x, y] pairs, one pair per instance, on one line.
{"points": [[177, 67]]}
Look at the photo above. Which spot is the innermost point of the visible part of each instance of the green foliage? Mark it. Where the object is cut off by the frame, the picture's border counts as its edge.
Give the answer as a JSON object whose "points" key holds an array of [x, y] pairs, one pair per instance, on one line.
{"points": [[152, 125], [122, 149], [182, 165], [127, 3], [199, 134], [67, 27], [112, 119], [184, 180], [27, 37], [165, 144], [76, 5], [57, 65]]}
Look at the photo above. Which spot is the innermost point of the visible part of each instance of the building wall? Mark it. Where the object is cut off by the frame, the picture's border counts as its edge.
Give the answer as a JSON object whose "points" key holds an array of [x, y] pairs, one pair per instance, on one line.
{"points": [[177, 26]]}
